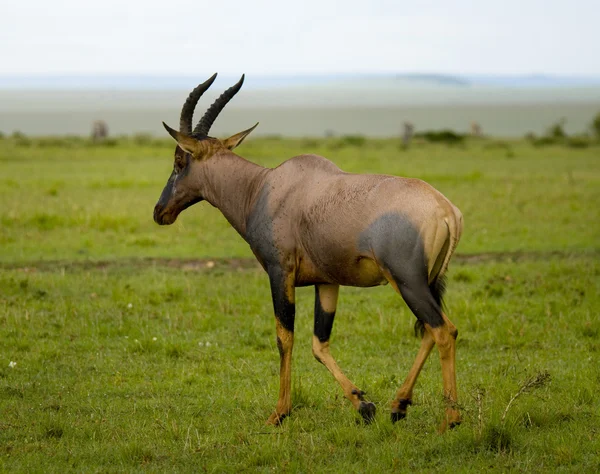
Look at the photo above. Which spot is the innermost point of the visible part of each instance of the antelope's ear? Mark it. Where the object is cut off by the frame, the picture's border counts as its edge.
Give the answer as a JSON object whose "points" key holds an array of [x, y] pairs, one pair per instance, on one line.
{"points": [[238, 138], [187, 143]]}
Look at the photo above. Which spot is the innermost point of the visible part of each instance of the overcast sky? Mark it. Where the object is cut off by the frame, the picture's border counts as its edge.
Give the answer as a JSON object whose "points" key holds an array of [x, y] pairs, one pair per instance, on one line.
{"points": [[179, 37]]}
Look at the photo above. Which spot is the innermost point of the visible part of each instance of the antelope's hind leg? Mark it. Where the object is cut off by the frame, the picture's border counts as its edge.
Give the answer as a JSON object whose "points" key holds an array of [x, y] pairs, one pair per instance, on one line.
{"points": [[439, 331], [325, 305], [404, 396]]}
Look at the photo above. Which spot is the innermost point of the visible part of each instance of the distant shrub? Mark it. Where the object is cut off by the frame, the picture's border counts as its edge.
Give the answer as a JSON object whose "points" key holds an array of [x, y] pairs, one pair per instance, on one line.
{"points": [[556, 135], [143, 139], [578, 141], [544, 141], [441, 136], [1, 135], [310, 143], [557, 130], [21, 139], [62, 142], [595, 126], [352, 140], [109, 142]]}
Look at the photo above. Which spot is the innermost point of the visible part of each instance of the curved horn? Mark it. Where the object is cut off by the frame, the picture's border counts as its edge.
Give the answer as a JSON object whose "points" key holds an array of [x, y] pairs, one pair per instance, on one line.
{"points": [[187, 112], [211, 114]]}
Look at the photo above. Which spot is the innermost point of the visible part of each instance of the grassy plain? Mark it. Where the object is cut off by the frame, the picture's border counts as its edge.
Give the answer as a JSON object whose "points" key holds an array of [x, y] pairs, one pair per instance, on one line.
{"points": [[130, 347]]}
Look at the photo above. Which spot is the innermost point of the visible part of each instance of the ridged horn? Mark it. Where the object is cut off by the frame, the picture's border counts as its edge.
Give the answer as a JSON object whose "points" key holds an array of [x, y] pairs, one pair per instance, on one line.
{"points": [[187, 112], [214, 110]]}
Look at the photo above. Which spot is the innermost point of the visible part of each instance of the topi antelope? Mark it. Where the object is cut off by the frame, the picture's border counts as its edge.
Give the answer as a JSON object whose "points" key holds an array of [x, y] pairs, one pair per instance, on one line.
{"points": [[309, 223]]}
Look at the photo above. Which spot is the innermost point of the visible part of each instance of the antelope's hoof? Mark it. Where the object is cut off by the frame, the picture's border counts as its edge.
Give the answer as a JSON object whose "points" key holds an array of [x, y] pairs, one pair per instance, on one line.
{"points": [[449, 424], [399, 409], [367, 411], [276, 418]]}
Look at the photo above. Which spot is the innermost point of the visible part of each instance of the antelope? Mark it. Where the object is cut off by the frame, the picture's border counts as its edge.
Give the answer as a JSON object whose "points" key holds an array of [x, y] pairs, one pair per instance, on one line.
{"points": [[310, 223], [407, 135], [99, 130]]}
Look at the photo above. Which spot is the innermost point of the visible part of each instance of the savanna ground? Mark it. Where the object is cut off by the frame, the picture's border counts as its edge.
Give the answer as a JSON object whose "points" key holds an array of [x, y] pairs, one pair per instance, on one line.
{"points": [[125, 346]]}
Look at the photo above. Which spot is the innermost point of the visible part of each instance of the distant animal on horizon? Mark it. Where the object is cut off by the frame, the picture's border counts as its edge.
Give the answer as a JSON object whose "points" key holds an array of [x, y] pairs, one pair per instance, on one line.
{"points": [[311, 224], [476, 130], [407, 134], [99, 130]]}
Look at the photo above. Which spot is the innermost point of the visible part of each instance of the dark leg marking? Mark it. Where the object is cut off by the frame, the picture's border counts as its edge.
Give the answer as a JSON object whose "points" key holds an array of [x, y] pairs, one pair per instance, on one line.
{"points": [[323, 319], [285, 310], [366, 409], [400, 413]]}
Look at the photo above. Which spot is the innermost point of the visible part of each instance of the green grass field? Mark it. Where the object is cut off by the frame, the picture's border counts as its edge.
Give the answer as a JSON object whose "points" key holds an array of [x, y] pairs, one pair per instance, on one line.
{"points": [[125, 346]]}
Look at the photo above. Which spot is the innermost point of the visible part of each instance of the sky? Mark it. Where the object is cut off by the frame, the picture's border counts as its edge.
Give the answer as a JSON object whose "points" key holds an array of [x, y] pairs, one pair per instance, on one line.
{"points": [[303, 37]]}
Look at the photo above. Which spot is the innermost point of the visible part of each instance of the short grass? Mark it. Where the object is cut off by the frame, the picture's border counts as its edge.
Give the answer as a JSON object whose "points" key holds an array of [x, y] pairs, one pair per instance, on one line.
{"points": [[113, 362], [86, 202], [151, 368]]}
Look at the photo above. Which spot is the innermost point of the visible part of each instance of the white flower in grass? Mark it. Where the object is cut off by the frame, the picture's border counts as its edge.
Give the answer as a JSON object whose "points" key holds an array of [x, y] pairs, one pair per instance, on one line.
{"points": [[12, 364], [200, 343], [130, 306], [207, 344], [154, 338]]}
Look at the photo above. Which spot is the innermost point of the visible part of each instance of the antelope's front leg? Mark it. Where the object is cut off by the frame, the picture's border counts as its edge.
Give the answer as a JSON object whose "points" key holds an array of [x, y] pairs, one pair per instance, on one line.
{"points": [[283, 293], [325, 305]]}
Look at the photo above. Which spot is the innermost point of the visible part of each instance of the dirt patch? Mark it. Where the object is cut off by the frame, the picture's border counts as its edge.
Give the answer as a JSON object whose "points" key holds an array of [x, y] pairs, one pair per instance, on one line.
{"points": [[185, 264], [208, 264]]}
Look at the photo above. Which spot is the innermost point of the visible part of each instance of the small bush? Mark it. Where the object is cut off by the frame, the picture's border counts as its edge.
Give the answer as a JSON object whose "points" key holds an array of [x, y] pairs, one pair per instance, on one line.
{"points": [[143, 139], [578, 141], [352, 140], [544, 141], [308, 143], [21, 139], [497, 439], [62, 142], [595, 126], [109, 142], [557, 129], [441, 136]]}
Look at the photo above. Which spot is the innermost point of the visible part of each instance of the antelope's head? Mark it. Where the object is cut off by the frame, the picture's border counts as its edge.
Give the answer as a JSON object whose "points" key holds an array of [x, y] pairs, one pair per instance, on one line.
{"points": [[194, 149]]}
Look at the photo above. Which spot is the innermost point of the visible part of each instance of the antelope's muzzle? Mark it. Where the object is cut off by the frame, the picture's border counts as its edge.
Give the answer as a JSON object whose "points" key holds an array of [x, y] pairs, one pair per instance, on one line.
{"points": [[161, 217]]}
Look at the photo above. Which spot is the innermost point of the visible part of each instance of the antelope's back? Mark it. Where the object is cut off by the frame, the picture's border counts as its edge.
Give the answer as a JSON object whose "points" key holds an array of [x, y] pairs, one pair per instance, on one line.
{"points": [[334, 216]]}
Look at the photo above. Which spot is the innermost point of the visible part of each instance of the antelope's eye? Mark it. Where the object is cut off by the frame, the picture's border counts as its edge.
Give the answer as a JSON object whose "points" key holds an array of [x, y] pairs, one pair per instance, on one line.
{"points": [[180, 163]]}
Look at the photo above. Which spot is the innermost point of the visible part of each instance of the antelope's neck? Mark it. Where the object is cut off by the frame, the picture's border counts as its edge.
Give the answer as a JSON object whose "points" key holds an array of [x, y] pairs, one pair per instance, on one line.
{"points": [[232, 184]]}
